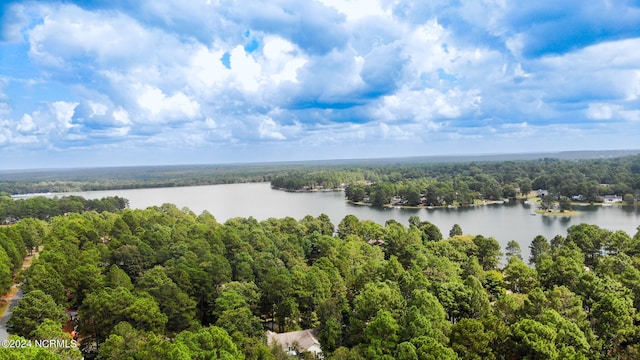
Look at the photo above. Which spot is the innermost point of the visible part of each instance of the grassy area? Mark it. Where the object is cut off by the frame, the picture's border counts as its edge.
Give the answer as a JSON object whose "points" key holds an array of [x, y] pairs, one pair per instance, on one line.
{"points": [[558, 213]]}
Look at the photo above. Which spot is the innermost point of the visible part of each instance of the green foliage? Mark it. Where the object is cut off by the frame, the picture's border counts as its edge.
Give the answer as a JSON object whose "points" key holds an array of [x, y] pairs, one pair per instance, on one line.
{"points": [[488, 251], [210, 343], [614, 320], [519, 277], [126, 342], [429, 349], [44, 208], [179, 308], [470, 340], [538, 247], [42, 276], [32, 311], [513, 250], [531, 339], [5, 272], [382, 333], [166, 283], [101, 311], [455, 230], [30, 352]]}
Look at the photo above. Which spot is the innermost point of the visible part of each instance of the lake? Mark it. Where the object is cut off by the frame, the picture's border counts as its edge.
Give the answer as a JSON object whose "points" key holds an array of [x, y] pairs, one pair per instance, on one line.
{"points": [[504, 222]]}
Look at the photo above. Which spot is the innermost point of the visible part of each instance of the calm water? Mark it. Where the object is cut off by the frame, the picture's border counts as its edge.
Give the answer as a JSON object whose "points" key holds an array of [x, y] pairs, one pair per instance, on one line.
{"points": [[511, 221]]}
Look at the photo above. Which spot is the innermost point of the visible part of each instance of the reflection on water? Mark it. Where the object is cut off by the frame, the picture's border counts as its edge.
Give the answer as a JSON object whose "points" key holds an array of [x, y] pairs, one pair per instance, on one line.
{"points": [[505, 222]]}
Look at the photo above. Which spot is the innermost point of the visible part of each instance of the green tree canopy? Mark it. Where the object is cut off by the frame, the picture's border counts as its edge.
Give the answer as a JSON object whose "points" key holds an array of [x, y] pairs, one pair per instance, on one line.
{"points": [[32, 311]]}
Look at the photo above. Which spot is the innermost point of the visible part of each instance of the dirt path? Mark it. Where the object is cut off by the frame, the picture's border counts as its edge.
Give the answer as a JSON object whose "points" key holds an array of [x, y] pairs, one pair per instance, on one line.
{"points": [[12, 297]]}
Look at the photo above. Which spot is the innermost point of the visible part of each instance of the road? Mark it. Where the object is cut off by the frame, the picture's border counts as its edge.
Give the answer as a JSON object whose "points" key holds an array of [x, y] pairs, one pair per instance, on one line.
{"points": [[4, 335]]}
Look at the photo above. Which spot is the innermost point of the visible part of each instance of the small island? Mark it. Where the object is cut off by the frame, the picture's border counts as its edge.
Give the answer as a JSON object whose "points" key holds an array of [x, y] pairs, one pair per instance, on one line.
{"points": [[558, 212]]}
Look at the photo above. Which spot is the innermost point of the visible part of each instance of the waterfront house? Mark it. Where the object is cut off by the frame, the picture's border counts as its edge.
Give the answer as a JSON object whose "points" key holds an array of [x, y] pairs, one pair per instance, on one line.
{"points": [[612, 198]]}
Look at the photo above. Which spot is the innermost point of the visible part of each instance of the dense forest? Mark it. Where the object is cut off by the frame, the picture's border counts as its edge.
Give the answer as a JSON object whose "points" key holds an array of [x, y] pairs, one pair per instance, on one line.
{"points": [[165, 283], [463, 183], [487, 177], [44, 208], [92, 179]]}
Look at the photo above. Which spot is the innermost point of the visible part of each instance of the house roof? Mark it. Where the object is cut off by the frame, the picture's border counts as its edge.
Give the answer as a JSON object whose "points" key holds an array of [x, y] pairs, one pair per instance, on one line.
{"points": [[304, 338]]}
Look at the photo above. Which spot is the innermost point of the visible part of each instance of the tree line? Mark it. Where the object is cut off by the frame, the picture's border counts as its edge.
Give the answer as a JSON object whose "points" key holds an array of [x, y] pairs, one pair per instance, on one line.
{"points": [[591, 178], [464, 183], [165, 283], [44, 208], [93, 179], [15, 243]]}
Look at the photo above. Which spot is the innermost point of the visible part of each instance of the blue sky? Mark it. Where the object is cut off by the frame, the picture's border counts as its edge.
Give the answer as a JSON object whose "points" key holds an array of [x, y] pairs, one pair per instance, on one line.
{"points": [[103, 83]]}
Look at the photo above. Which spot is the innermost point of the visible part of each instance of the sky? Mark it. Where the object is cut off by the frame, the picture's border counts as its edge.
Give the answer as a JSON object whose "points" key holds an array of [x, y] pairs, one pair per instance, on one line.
{"points": [[117, 82]]}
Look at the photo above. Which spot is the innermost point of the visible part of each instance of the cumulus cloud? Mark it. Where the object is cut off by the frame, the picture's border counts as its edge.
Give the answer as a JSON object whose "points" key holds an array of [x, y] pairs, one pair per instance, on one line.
{"points": [[606, 111], [64, 112], [544, 28], [26, 124], [388, 74], [315, 28], [268, 130], [160, 106]]}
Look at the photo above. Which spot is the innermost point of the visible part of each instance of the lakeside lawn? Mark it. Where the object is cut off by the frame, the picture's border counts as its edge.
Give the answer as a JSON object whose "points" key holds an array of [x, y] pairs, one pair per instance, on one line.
{"points": [[558, 212]]}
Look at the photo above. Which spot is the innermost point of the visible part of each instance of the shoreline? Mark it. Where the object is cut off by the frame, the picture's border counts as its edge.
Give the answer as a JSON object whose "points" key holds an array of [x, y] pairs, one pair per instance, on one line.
{"points": [[307, 190], [418, 207], [568, 213]]}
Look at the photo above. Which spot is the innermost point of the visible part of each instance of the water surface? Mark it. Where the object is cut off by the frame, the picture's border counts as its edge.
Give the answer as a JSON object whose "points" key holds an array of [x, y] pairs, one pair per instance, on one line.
{"points": [[504, 222]]}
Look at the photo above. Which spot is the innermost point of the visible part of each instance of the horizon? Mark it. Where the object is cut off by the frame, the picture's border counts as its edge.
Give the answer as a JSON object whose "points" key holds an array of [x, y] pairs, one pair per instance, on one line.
{"points": [[88, 84], [430, 159]]}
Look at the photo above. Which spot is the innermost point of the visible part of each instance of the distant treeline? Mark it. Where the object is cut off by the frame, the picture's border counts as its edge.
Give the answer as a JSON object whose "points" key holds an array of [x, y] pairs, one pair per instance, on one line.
{"points": [[316, 180], [44, 208], [462, 183], [436, 183], [94, 179]]}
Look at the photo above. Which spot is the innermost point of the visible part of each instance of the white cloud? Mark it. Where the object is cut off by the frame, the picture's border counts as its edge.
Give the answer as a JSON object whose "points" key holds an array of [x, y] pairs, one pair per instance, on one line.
{"points": [[318, 72], [210, 123], [268, 129], [629, 115], [396, 132], [5, 133], [357, 9], [566, 75], [121, 116], [428, 106], [601, 111], [245, 68], [164, 108], [633, 92], [69, 32], [26, 124], [205, 69], [115, 132], [97, 109], [63, 112], [282, 59], [424, 44], [607, 111]]}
